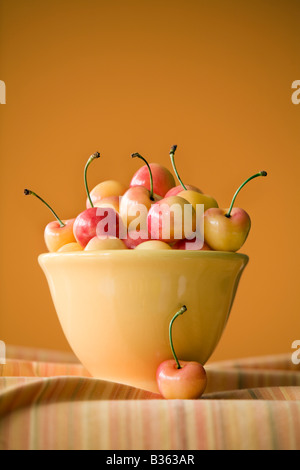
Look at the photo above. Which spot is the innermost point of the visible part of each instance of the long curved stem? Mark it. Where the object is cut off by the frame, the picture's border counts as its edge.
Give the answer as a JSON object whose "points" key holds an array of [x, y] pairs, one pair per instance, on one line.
{"points": [[172, 152], [261, 173], [28, 192], [92, 157], [134, 155], [180, 312]]}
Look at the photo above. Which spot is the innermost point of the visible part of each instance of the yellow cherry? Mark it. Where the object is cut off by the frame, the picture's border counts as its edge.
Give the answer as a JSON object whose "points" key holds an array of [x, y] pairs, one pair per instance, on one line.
{"points": [[228, 229], [70, 247], [196, 198], [153, 245], [109, 243], [109, 201], [106, 189]]}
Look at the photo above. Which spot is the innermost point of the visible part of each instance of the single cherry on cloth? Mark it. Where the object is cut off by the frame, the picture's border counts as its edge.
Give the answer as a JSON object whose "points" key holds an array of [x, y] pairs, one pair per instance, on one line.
{"points": [[58, 232], [180, 379], [228, 229], [193, 197], [95, 221], [163, 180]]}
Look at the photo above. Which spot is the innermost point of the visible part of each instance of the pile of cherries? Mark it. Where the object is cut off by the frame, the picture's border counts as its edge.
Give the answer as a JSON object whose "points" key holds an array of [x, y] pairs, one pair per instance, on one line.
{"points": [[120, 217], [112, 219]]}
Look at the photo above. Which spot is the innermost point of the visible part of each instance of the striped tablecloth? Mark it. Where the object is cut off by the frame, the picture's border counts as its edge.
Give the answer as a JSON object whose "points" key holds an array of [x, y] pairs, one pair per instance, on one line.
{"points": [[48, 401]]}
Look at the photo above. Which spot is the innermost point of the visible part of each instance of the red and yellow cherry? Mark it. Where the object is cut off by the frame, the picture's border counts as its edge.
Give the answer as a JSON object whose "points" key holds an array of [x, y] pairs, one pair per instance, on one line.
{"points": [[70, 247], [190, 195], [106, 191], [109, 201], [180, 379], [196, 198], [138, 200], [168, 220], [109, 243], [228, 229], [95, 221], [57, 233], [163, 180], [178, 189], [136, 237], [135, 204], [153, 245], [192, 245]]}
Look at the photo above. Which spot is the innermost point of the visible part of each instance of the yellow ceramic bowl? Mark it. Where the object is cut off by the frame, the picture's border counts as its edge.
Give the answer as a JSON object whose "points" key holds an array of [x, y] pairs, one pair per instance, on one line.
{"points": [[115, 307]]}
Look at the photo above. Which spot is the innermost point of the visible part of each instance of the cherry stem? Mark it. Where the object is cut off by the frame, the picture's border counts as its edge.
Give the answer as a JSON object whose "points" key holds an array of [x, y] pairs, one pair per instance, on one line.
{"points": [[180, 312], [27, 192], [92, 157], [261, 173], [134, 155], [172, 152]]}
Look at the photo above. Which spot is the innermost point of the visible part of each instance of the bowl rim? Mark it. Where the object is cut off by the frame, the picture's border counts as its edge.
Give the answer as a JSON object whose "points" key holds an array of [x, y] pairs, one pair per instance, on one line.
{"points": [[190, 254]]}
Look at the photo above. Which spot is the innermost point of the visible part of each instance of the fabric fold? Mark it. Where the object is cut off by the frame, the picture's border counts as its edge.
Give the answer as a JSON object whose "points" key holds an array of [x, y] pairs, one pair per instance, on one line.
{"points": [[251, 403]]}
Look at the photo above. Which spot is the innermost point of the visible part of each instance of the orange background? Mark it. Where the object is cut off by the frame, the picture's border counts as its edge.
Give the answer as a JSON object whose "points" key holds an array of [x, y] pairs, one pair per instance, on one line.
{"points": [[125, 76]]}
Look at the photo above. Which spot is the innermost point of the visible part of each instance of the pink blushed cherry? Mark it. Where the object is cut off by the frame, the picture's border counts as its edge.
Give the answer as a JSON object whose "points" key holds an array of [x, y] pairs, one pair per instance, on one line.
{"points": [[163, 180], [95, 221], [135, 238], [137, 201], [170, 219]]}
